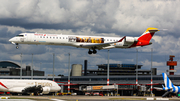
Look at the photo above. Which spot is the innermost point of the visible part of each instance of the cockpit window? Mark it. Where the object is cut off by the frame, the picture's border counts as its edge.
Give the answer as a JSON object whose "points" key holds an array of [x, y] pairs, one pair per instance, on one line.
{"points": [[19, 35]]}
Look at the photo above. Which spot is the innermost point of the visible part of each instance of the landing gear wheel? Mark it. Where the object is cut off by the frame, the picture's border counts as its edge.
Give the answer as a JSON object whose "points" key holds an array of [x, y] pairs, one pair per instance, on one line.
{"points": [[94, 51], [17, 47], [89, 52]]}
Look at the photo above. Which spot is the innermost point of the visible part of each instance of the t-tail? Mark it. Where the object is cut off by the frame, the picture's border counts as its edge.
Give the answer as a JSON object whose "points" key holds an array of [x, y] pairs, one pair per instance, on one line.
{"points": [[145, 38]]}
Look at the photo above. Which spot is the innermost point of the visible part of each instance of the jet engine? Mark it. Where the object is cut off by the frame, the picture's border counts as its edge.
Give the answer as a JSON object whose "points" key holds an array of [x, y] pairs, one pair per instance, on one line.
{"points": [[45, 90], [130, 40]]}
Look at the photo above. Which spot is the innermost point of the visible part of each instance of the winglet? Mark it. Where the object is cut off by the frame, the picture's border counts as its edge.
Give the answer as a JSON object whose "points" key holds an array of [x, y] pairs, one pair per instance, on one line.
{"points": [[122, 39]]}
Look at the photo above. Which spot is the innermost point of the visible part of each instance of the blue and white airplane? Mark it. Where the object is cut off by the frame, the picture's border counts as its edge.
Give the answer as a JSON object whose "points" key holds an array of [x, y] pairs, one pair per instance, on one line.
{"points": [[169, 87]]}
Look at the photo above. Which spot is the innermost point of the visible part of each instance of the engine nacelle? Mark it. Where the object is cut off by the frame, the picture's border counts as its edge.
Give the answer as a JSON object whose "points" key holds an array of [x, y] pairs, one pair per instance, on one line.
{"points": [[46, 90], [130, 40]]}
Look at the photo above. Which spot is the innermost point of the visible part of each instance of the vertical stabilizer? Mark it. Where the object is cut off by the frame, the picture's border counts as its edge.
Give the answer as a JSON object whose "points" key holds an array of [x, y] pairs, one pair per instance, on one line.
{"points": [[145, 38], [167, 81], [148, 34]]}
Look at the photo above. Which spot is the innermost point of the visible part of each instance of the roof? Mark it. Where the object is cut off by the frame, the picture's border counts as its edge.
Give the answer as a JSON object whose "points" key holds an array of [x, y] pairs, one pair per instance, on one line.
{"points": [[5, 64]]}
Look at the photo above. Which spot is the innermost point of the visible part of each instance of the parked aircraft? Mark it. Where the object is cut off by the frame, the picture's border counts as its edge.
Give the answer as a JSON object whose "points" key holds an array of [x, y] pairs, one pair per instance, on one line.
{"points": [[169, 87], [89, 42], [29, 86]]}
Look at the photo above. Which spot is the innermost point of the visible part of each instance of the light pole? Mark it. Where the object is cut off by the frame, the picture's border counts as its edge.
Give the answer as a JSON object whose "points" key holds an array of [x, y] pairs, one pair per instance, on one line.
{"points": [[151, 72], [108, 70], [137, 68], [53, 66], [69, 74], [32, 68], [40, 66], [21, 67]]}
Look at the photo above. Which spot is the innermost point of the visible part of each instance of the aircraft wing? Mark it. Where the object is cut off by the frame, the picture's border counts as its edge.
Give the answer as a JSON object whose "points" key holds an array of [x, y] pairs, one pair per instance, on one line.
{"points": [[97, 45], [158, 88], [31, 89]]}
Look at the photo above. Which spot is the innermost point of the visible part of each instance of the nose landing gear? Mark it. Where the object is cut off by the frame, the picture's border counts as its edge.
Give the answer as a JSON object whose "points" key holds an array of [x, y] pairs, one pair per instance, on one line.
{"points": [[17, 46]]}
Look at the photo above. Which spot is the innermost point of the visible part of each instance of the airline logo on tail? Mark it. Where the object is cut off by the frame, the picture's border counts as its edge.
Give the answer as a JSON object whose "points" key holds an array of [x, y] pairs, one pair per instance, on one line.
{"points": [[167, 81], [148, 34], [169, 85], [145, 38]]}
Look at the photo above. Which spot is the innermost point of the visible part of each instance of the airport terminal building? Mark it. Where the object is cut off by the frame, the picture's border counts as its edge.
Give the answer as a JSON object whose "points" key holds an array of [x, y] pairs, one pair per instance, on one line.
{"points": [[122, 76], [8, 68]]}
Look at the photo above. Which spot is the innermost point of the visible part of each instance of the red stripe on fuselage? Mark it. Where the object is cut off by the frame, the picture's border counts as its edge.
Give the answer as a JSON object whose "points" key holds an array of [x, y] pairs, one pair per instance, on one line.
{"points": [[3, 85]]}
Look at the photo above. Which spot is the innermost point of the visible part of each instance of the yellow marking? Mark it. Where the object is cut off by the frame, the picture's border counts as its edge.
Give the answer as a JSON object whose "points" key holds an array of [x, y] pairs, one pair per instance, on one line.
{"points": [[152, 29]]}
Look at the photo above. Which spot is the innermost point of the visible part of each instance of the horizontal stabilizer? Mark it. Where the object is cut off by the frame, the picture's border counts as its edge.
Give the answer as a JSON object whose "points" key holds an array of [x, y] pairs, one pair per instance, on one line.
{"points": [[158, 88], [151, 29]]}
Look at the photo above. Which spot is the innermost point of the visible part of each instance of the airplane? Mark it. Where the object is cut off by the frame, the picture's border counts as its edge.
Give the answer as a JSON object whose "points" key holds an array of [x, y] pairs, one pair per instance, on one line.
{"points": [[29, 86], [169, 87], [89, 42]]}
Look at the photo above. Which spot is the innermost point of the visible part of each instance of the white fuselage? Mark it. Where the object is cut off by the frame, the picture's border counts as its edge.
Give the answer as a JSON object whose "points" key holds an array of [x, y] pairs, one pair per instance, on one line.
{"points": [[89, 42], [8, 85], [71, 40]]}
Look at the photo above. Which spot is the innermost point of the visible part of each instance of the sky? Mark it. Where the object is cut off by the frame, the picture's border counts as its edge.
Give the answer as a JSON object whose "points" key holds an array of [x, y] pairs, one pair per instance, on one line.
{"points": [[90, 17]]}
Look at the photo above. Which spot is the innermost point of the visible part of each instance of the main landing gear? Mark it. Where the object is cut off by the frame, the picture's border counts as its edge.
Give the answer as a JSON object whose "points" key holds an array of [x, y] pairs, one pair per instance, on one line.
{"points": [[90, 52]]}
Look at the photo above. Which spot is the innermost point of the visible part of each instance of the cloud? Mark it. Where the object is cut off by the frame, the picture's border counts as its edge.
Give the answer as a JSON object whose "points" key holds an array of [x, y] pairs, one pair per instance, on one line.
{"points": [[105, 16], [87, 17]]}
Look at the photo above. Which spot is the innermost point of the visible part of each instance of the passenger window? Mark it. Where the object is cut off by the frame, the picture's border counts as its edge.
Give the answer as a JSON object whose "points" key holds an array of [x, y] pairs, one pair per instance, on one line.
{"points": [[59, 37], [56, 37]]}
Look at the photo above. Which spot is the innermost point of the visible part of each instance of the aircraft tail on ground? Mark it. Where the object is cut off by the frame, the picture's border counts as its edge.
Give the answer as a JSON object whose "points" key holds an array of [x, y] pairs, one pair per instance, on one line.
{"points": [[167, 81], [169, 87]]}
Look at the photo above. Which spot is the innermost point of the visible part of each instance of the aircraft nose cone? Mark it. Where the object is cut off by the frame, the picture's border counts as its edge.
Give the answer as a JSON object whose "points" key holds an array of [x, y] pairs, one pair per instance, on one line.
{"points": [[59, 88], [10, 40]]}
